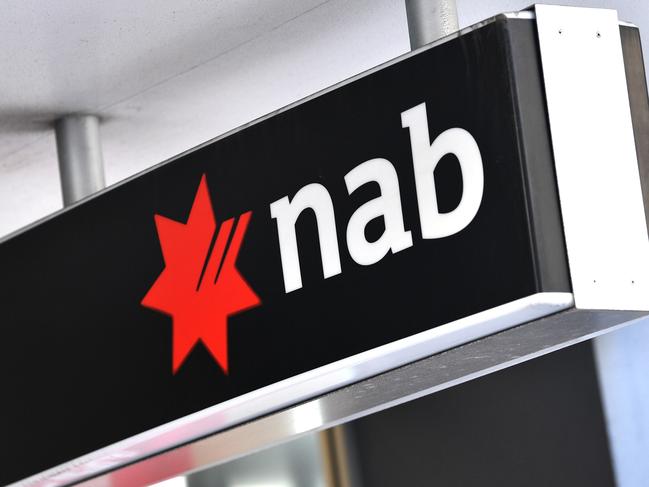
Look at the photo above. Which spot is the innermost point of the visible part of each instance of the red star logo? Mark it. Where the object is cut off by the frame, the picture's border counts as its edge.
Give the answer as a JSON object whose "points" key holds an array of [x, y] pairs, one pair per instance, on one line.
{"points": [[200, 287]]}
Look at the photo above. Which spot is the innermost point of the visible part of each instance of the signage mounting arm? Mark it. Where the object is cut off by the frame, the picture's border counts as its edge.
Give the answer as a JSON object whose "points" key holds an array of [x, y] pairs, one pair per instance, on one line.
{"points": [[81, 165], [430, 20]]}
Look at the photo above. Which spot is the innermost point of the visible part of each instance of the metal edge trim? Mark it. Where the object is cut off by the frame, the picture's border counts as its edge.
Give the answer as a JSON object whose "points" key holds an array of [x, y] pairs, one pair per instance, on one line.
{"points": [[303, 387], [531, 15], [587, 126], [422, 378], [624, 23]]}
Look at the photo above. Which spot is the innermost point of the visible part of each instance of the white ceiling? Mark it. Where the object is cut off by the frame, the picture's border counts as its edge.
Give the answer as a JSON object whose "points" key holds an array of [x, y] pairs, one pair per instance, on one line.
{"points": [[167, 75], [70, 55]]}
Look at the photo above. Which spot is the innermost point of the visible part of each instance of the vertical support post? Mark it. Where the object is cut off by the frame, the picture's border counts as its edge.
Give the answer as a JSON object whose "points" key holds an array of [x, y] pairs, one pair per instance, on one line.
{"points": [[430, 20], [340, 461], [81, 165]]}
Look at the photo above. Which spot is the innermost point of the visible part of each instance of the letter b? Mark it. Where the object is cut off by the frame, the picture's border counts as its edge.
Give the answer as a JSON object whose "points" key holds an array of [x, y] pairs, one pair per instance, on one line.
{"points": [[425, 157]]}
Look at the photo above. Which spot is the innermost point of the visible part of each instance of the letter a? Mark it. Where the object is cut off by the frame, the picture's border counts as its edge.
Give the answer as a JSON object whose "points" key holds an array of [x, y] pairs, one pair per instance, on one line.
{"points": [[387, 205]]}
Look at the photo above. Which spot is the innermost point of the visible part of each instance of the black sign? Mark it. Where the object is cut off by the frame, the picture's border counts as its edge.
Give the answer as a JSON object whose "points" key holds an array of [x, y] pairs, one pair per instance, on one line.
{"points": [[415, 195]]}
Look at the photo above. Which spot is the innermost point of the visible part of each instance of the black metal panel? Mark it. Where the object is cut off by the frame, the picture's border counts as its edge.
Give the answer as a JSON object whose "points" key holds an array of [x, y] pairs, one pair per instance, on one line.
{"points": [[537, 424], [536, 153], [85, 365], [639, 102]]}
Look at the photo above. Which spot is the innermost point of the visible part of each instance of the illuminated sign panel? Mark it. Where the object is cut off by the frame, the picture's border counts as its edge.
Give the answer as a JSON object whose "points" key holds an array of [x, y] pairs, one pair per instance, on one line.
{"points": [[413, 196]]}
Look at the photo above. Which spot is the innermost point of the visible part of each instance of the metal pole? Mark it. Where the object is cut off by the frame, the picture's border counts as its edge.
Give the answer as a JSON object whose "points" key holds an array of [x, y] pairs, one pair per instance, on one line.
{"points": [[339, 457], [81, 165], [430, 20]]}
